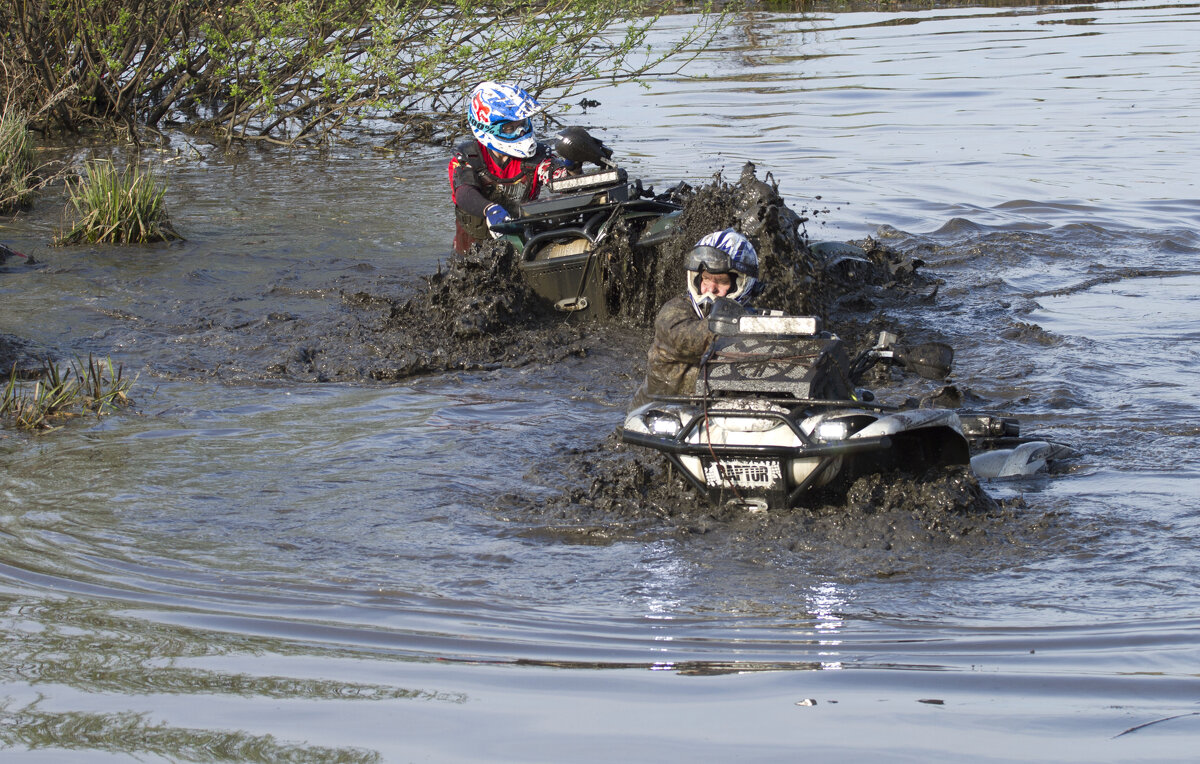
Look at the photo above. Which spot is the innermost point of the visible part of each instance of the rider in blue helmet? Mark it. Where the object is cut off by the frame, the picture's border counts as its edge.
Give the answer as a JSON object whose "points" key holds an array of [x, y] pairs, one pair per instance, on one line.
{"points": [[502, 166], [722, 264]]}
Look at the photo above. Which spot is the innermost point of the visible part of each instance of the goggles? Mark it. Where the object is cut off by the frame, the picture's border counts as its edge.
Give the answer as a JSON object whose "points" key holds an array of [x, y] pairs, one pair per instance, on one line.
{"points": [[513, 128], [713, 260]]}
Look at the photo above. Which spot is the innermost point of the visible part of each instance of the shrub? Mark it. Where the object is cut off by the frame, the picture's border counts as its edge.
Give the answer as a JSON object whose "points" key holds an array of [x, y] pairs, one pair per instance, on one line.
{"points": [[298, 71]]}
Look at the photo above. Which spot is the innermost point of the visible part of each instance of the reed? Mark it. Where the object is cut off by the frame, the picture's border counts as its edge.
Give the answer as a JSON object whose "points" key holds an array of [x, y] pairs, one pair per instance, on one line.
{"points": [[58, 394], [117, 207], [16, 161]]}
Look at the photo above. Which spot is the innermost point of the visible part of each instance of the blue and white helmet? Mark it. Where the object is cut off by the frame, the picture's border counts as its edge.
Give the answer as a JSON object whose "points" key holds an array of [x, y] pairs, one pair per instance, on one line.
{"points": [[723, 252], [499, 115]]}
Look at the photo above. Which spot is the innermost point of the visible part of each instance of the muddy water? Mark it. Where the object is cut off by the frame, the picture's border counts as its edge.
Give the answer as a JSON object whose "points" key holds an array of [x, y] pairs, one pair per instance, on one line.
{"points": [[259, 565]]}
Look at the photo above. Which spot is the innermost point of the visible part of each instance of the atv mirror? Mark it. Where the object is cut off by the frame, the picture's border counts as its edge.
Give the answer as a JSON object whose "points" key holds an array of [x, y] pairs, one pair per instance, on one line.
{"points": [[931, 360], [723, 316], [577, 145]]}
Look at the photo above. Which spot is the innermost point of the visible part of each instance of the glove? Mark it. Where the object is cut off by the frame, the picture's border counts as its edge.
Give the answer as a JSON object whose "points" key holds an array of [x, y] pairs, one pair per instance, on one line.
{"points": [[496, 215]]}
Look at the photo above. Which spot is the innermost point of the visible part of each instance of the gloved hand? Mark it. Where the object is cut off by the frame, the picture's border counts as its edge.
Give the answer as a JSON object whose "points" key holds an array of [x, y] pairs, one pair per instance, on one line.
{"points": [[496, 215]]}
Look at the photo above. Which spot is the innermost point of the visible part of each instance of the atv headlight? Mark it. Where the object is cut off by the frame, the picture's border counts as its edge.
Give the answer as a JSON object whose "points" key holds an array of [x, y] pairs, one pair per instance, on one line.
{"points": [[662, 424], [835, 430]]}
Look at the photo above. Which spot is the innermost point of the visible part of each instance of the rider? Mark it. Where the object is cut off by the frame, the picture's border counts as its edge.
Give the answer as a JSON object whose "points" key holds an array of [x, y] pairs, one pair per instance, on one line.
{"points": [[503, 166], [722, 264]]}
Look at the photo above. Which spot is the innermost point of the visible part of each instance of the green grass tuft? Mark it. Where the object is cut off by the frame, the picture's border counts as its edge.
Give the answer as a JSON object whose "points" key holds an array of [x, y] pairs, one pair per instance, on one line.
{"points": [[57, 394], [117, 207]]}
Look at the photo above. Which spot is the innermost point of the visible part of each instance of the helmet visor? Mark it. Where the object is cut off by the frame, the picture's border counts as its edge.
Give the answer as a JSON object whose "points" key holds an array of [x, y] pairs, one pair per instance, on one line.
{"points": [[711, 259]]}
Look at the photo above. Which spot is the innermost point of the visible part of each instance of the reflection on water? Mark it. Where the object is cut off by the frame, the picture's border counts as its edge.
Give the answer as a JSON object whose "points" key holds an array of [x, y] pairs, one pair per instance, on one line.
{"points": [[827, 603], [130, 734], [329, 564]]}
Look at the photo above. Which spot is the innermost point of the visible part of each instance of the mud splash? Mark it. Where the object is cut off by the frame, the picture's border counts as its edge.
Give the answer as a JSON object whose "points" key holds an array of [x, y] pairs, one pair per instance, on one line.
{"points": [[477, 312], [799, 279], [639, 280]]}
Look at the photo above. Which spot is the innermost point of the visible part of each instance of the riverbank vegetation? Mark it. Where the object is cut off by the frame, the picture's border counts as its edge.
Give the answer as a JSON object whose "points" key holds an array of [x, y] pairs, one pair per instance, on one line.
{"points": [[302, 71], [58, 394], [117, 207], [21, 172], [16, 162]]}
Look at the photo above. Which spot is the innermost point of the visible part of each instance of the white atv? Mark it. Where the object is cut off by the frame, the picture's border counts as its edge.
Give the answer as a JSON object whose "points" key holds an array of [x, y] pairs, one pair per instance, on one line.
{"points": [[776, 415]]}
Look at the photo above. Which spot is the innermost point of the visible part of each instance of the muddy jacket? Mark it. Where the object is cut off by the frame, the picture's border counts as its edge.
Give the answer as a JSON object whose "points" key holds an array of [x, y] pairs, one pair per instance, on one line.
{"points": [[477, 180], [680, 338]]}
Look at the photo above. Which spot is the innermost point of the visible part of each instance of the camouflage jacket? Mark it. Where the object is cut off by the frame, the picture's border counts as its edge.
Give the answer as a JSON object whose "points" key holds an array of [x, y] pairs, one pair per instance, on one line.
{"points": [[681, 337]]}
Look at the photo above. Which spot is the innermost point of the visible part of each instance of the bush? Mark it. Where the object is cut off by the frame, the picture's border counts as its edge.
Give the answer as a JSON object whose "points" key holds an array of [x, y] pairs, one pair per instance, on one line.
{"points": [[298, 71], [116, 207]]}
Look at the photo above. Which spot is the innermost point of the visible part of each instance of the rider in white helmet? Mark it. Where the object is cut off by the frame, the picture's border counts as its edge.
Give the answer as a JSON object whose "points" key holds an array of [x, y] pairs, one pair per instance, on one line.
{"points": [[504, 165], [722, 264]]}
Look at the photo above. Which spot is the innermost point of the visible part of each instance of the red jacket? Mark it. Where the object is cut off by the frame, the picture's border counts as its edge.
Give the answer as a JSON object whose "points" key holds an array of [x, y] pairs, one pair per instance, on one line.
{"points": [[478, 180]]}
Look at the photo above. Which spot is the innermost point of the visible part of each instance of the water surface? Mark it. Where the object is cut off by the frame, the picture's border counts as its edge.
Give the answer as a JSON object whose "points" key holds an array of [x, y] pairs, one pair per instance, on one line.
{"points": [[330, 572]]}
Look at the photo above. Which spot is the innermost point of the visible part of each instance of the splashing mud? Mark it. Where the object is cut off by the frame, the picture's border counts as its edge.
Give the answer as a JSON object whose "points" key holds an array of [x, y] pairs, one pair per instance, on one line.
{"points": [[480, 312], [477, 313]]}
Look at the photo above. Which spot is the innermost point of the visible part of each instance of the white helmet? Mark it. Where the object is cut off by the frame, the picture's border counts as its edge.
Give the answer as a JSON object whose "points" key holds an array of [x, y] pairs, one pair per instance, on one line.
{"points": [[723, 252], [499, 115]]}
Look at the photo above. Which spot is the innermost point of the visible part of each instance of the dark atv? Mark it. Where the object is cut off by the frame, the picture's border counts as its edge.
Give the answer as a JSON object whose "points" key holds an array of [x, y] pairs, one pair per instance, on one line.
{"points": [[557, 236]]}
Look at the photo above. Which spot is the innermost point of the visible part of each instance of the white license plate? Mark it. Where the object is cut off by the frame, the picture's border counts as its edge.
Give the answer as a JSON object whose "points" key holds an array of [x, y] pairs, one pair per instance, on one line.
{"points": [[743, 473]]}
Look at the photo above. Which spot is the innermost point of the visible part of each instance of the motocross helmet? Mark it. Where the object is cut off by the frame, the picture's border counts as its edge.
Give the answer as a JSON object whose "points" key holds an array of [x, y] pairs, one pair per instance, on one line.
{"points": [[499, 115], [723, 252]]}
